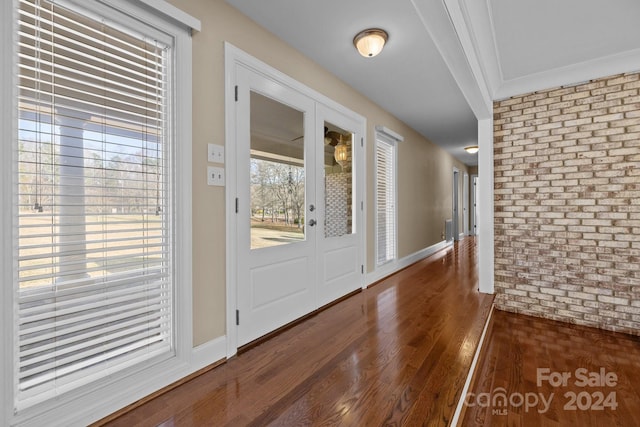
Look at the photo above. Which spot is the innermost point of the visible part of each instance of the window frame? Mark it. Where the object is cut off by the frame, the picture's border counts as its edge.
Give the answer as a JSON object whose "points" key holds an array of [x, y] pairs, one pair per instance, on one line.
{"points": [[94, 401], [384, 136]]}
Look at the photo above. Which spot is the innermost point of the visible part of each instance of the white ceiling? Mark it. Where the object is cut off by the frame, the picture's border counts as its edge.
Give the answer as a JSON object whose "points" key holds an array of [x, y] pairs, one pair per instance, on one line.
{"points": [[538, 36], [524, 46], [447, 59]]}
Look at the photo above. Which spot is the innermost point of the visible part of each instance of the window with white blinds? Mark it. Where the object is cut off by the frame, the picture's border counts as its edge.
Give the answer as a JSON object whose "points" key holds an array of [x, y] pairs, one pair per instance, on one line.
{"points": [[386, 241], [93, 221]]}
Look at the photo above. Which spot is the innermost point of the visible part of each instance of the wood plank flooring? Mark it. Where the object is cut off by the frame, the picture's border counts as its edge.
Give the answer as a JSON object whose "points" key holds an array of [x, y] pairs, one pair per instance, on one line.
{"points": [[516, 346], [397, 353]]}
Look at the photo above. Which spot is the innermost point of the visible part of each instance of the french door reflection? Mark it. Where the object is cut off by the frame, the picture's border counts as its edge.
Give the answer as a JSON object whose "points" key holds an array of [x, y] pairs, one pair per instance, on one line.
{"points": [[338, 181]]}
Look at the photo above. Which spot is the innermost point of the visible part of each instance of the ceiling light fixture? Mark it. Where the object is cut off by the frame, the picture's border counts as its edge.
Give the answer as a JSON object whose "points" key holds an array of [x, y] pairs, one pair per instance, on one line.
{"points": [[472, 149], [370, 42]]}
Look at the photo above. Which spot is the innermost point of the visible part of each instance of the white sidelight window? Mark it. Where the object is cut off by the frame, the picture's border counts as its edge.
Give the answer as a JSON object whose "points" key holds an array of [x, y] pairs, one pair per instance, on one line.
{"points": [[386, 195], [94, 198]]}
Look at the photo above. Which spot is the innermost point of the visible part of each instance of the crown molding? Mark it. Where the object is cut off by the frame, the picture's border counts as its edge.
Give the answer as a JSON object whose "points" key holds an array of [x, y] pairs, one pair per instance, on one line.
{"points": [[457, 52], [624, 62], [473, 23]]}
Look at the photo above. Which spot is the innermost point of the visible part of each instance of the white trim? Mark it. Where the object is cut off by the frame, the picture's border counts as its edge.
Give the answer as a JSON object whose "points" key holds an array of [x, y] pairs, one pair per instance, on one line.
{"points": [[234, 58], [461, 236], [84, 405], [472, 369], [388, 132], [465, 203], [474, 202], [468, 44], [485, 213], [480, 38], [183, 188], [172, 12], [398, 264], [388, 139], [86, 408], [440, 24], [455, 207], [239, 57], [361, 193], [479, 43], [7, 132], [230, 154], [208, 353], [623, 62]]}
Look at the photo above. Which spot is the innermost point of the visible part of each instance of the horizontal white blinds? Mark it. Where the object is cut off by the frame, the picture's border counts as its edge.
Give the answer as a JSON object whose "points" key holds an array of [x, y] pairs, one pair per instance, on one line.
{"points": [[385, 202], [93, 236]]}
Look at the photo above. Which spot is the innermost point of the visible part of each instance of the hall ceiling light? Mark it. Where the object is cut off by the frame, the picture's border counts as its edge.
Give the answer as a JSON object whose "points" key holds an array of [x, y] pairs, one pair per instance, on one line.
{"points": [[472, 149], [370, 42]]}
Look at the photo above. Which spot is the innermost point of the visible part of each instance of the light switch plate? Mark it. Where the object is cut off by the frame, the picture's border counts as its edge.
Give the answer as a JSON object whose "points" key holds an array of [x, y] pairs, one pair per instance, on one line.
{"points": [[215, 153], [215, 176]]}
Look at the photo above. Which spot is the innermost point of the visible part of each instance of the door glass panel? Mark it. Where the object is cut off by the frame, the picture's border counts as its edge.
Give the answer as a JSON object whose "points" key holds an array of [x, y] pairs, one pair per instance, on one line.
{"points": [[277, 173], [338, 181]]}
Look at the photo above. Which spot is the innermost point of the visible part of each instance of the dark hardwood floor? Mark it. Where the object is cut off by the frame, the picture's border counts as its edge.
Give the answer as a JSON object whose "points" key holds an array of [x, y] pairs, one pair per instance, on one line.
{"points": [[518, 350], [397, 353]]}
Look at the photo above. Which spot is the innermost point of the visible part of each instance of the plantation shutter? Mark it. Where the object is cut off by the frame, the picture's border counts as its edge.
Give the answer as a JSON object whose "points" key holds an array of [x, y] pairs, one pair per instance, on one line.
{"points": [[385, 199], [94, 279]]}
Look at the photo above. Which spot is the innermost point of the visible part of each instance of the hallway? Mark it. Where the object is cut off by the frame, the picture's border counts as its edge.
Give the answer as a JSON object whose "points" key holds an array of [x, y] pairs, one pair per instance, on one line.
{"points": [[397, 353]]}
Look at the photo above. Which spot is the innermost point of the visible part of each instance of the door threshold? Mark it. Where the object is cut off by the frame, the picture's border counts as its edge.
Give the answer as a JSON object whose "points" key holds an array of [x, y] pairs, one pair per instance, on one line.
{"points": [[248, 346]]}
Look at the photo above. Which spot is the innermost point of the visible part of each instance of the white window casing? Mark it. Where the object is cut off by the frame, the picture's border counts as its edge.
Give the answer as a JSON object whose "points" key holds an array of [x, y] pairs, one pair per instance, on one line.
{"points": [[386, 195], [100, 187]]}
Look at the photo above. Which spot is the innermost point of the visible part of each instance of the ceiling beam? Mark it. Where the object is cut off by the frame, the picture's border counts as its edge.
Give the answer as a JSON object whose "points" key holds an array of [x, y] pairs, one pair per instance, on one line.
{"points": [[453, 41]]}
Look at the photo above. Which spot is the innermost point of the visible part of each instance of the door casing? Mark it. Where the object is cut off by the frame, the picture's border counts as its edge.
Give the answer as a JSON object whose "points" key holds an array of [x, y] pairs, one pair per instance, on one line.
{"points": [[234, 59]]}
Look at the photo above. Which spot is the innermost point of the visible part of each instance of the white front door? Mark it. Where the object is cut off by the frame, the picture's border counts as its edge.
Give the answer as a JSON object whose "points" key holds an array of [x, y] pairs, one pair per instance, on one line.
{"points": [[298, 224], [276, 219]]}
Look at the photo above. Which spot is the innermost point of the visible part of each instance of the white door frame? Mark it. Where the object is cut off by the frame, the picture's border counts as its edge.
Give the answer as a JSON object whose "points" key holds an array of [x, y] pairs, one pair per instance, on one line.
{"points": [[235, 58], [465, 204], [456, 204], [474, 202]]}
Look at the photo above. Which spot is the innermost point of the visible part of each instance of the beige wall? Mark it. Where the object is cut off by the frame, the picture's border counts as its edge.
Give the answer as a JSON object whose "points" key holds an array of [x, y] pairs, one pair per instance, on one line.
{"points": [[425, 194], [567, 203], [425, 173]]}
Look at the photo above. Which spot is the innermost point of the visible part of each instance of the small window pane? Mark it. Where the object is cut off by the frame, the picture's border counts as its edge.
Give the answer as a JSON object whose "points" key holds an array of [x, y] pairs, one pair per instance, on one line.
{"points": [[338, 181]]}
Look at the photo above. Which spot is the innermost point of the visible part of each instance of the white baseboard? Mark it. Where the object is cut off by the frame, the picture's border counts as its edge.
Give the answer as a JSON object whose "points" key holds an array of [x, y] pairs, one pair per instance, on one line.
{"points": [[393, 266], [208, 353], [461, 236], [101, 402], [455, 420]]}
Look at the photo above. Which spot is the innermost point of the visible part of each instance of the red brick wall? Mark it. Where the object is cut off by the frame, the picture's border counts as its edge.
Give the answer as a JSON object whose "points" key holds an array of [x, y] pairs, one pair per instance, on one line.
{"points": [[567, 203]]}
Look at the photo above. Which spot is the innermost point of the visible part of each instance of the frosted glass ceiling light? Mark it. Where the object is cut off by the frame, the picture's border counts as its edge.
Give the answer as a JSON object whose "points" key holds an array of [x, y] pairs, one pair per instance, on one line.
{"points": [[472, 149], [370, 42]]}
